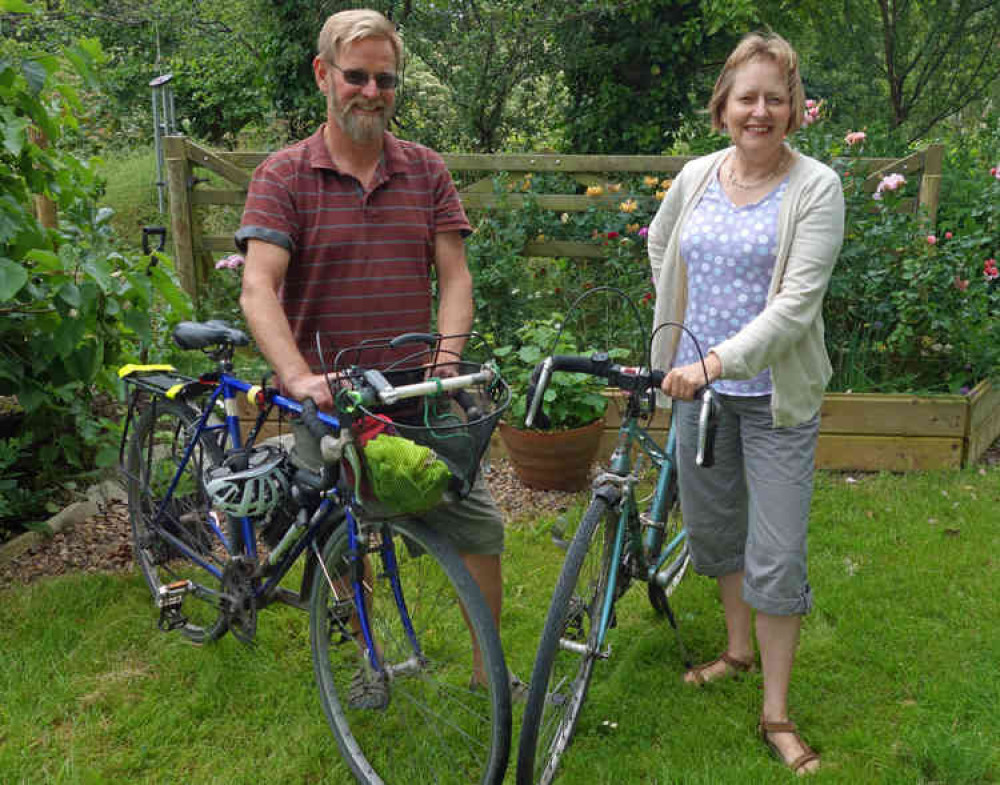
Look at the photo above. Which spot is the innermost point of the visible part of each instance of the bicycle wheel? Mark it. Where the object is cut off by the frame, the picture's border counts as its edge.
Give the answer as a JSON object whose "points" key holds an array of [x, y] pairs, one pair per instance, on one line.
{"points": [[568, 647], [679, 557], [418, 720], [152, 458]]}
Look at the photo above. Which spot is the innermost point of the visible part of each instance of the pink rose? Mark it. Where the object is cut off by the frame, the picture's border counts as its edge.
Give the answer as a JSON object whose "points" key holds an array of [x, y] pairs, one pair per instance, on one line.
{"points": [[891, 182], [231, 262], [855, 137], [931, 239], [948, 235]]}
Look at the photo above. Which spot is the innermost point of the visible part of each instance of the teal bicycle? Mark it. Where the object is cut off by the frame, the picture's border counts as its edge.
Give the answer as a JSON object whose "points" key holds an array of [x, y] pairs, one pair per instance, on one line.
{"points": [[614, 544]]}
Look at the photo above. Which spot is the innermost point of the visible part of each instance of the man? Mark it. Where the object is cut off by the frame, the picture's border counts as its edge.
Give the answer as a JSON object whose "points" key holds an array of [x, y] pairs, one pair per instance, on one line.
{"points": [[340, 232]]}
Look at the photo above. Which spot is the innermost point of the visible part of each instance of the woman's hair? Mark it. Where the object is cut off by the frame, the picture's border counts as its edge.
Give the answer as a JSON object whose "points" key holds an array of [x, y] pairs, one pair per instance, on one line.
{"points": [[760, 46], [346, 27]]}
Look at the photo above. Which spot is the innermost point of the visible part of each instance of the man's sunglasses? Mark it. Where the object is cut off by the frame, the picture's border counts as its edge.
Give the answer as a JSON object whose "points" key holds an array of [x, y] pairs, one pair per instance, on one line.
{"points": [[360, 78]]}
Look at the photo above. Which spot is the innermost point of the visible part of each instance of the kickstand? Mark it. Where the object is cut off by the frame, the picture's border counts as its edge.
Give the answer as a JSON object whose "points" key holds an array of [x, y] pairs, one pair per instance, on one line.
{"points": [[677, 632]]}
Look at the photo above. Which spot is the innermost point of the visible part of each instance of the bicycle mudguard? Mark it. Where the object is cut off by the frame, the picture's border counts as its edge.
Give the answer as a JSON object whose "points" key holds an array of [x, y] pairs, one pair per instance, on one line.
{"points": [[162, 380]]}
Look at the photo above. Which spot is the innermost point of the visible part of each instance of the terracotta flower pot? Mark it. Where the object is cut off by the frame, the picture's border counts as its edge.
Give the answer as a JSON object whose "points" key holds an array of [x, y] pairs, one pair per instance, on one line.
{"points": [[553, 460]]}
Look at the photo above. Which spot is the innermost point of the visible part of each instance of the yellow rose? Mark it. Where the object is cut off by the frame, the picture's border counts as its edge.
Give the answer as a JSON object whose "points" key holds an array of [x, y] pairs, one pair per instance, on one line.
{"points": [[659, 195], [594, 190], [614, 188], [650, 181], [628, 206]]}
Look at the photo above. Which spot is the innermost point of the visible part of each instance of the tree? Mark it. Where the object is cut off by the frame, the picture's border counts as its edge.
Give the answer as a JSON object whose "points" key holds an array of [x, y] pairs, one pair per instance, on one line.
{"points": [[72, 308], [912, 63], [635, 69], [216, 65]]}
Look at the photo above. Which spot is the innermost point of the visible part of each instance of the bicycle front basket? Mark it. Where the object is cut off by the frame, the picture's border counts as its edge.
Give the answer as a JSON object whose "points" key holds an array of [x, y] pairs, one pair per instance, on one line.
{"points": [[439, 438]]}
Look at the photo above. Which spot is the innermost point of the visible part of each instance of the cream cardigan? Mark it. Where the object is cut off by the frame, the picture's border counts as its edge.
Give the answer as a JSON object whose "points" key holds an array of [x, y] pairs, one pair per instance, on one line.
{"points": [[787, 336]]}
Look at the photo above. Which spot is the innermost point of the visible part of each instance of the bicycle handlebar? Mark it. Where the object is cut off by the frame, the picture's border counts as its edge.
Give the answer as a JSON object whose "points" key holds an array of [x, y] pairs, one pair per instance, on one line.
{"points": [[628, 378], [379, 390]]}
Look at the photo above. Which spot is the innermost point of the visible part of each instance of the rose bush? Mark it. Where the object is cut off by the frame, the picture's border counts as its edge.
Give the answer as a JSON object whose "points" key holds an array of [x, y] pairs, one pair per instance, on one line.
{"points": [[903, 314]]}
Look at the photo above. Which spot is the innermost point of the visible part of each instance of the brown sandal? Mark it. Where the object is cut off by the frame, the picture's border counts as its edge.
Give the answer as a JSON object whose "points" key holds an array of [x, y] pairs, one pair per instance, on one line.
{"points": [[734, 667], [764, 727]]}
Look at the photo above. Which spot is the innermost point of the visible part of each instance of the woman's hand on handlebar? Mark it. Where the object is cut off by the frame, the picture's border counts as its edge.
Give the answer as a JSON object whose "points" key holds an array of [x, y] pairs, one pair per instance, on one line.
{"points": [[685, 381]]}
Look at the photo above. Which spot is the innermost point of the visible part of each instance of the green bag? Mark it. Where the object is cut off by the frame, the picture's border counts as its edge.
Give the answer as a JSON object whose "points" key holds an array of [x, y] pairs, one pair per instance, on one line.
{"points": [[405, 476]]}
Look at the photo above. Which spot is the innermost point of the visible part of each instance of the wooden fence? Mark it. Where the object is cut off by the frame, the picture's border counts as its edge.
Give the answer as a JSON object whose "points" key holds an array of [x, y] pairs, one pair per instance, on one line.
{"points": [[858, 432], [192, 194]]}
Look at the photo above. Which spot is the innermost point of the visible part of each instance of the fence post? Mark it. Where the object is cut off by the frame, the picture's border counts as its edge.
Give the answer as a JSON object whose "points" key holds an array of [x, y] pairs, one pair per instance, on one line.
{"points": [[930, 183], [179, 183]]}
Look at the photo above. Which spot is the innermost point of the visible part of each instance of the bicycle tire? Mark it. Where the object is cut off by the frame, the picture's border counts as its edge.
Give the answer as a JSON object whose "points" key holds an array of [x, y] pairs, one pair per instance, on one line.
{"points": [[153, 454], [676, 566], [434, 726], [551, 712]]}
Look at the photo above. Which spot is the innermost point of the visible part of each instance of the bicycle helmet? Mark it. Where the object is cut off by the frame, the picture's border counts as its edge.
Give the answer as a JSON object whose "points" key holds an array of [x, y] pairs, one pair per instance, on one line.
{"points": [[407, 477], [248, 485]]}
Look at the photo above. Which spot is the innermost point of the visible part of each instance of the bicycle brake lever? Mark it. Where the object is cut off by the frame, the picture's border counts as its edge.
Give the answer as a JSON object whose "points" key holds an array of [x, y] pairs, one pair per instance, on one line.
{"points": [[537, 392], [705, 454]]}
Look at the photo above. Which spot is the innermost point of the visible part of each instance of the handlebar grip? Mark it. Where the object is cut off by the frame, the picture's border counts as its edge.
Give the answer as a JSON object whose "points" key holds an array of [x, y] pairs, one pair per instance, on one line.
{"points": [[705, 454], [408, 338], [468, 404], [536, 394], [310, 416]]}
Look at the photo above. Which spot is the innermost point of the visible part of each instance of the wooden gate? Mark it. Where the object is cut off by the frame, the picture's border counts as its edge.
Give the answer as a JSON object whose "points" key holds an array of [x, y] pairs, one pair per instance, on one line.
{"points": [[194, 196]]}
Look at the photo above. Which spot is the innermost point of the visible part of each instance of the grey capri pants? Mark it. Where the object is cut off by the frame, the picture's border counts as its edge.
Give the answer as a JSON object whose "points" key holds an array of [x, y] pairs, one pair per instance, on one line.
{"points": [[750, 511]]}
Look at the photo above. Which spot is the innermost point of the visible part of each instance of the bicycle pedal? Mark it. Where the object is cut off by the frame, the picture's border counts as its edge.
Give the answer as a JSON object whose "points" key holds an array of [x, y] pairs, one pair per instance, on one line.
{"points": [[171, 595], [168, 600]]}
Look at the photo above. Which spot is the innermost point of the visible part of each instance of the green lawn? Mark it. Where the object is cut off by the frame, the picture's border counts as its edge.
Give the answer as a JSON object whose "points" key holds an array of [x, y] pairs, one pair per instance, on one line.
{"points": [[896, 680]]}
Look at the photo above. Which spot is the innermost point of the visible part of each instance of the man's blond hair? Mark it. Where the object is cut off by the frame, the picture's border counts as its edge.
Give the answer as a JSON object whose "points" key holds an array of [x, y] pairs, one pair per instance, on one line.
{"points": [[346, 27]]}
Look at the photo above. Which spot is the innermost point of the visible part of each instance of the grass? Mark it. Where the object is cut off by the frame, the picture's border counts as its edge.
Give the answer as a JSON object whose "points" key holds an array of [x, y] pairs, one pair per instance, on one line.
{"points": [[895, 680]]}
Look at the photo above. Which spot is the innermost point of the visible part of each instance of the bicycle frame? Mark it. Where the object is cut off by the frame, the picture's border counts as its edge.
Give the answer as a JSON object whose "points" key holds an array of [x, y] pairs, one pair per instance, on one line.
{"points": [[226, 388], [621, 472]]}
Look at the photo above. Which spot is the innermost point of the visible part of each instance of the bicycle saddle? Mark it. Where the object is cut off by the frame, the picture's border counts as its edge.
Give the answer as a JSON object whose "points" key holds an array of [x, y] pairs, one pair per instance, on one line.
{"points": [[198, 335]]}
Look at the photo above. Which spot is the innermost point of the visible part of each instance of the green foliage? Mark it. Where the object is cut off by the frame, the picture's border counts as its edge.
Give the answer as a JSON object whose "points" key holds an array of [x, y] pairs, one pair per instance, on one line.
{"points": [[901, 67], [209, 48], [912, 310], [511, 288], [633, 69], [571, 400], [18, 502], [73, 307]]}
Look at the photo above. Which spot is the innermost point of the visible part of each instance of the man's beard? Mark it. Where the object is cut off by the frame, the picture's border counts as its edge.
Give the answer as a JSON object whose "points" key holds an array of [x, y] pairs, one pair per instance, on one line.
{"points": [[360, 128]]}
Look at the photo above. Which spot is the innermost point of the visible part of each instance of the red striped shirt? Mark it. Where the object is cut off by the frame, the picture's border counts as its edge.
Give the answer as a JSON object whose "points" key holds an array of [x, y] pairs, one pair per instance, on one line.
{"points": [[360, 259]]}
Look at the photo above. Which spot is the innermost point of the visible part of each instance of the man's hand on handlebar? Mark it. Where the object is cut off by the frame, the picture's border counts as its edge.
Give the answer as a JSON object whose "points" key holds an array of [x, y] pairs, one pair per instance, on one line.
{"points": [[685, 381], [314, 386]]}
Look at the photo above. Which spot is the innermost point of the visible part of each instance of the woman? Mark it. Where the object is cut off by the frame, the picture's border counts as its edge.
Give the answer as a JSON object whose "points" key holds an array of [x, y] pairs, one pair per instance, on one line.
{"points": [[742, 249]]}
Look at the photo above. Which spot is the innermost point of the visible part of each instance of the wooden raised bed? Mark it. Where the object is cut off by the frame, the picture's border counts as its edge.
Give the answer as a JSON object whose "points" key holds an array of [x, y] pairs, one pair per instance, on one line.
{"points": [[907, 432], [872, 432]]}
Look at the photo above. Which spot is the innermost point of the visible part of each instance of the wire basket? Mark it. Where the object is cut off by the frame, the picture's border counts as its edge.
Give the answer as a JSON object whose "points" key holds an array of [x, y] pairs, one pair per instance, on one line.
{"points": [[419, 451]]}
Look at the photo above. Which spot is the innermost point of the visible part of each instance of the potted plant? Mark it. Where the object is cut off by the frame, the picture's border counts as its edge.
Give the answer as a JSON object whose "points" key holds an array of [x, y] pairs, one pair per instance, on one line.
{"points": [[559, 457]]}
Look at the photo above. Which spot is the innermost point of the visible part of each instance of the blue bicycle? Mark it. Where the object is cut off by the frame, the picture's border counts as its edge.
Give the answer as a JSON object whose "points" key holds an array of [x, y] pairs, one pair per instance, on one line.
{"points": [[219, 521]]}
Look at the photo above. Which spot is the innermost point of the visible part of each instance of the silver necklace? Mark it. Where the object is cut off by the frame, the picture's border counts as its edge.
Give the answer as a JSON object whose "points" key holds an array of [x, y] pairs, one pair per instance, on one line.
{"points": [[743, 185]]}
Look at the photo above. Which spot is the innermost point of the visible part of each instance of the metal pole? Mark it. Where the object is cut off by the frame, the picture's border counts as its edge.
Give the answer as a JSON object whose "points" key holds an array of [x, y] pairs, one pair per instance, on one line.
{"points": [[163, 121]]}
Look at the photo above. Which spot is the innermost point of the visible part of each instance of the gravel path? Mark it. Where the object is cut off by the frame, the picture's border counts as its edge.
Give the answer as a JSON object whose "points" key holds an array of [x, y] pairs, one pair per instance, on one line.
{"points": [[102, 543]]}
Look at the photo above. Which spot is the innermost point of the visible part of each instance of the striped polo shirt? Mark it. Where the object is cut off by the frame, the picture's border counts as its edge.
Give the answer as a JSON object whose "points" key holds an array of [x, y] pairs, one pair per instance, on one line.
{"points": [[360, 258]]}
